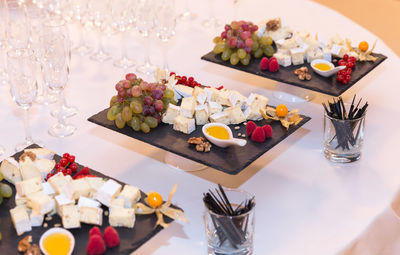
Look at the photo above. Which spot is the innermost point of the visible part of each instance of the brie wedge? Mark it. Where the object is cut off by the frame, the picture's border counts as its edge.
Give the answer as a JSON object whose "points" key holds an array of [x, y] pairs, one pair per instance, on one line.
{"points": [[61, 201], [36, 219], [91, 215], [21, 220], [123, 217], [131, 195], [187, 107], [170, 114], [81, 188], [184, 125], [235, 114], [42, 153], [201, 114], [183, 90], [45, 166], [70, 216], [221, 117], [28, 186], [61, 184], [88, 202], [40, 202]]}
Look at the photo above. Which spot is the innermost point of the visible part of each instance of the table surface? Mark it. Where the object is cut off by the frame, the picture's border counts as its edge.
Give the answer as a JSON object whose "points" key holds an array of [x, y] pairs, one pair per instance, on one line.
{"points": [[305, 204]]}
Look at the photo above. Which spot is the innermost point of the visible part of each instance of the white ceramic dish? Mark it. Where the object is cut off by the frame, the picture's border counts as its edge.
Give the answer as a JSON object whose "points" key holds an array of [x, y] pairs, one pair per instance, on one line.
{"points": [[57, 230], [328, 73], [222, 142]]}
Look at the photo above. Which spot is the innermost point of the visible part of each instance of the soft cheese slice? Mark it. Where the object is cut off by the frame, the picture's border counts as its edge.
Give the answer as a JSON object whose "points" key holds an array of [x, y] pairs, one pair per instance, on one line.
{"points": [[42, 153], [81, 188], [20, 219], [95, 184], [187, 107], [40, 202], [36, 219], [184, 125], [45, 166], [183, 90], [170, 114], [236, 115], [130, 195], [200, 95], [28, 186], [108, 191], [214, 107], [221, 117], [61, 201], [123, 217], [61, 184], [91, 215], [10, 170], [201, 114], [88, 202], [297, 55], [48, 189], [70, 216]]}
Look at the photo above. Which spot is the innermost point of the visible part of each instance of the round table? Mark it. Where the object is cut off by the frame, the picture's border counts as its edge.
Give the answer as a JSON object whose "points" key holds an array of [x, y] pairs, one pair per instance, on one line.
{"points": [[305, 204]]}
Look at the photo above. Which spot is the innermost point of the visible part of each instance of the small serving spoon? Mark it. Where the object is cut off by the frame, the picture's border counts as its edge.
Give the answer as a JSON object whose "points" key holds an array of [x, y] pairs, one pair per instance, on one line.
{"points": [[222, 142], [328, 73]]}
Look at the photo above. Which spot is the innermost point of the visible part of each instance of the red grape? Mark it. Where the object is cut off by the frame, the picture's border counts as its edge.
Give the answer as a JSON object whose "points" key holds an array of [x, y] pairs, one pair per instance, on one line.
{"points": [[245, 27], [241, 44], [127, 84], [159, 105], [130, 76], [145, 110], [148, 100], [247, 49], [157, 94], [162, 87], [232, 42], [342, 62], [151, 110], [345, 57], [158, 117], [144, 85], [249, 42], [227, 27], [136, 91], [152, 86], [224, 35]]}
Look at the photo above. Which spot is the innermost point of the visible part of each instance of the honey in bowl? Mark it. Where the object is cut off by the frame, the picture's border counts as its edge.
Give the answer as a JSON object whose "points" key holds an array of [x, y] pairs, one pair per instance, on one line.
{"points": [[218, 132], [57, 244], [323, 66]]}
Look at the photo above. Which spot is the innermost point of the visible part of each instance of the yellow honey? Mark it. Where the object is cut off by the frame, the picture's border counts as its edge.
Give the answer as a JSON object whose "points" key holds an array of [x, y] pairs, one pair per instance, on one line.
{"points": [[57, 244], [218, 132], [323, 66]]}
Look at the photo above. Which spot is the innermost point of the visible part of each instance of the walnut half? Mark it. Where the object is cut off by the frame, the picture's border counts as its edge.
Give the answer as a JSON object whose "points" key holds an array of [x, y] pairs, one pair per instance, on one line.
{"points": [[201, 144], [25, 244]]}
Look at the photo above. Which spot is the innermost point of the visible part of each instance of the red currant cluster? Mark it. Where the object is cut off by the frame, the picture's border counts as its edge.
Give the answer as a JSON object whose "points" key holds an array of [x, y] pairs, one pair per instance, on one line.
{"points": [[183, 80], [67, 166], [344, 76]]}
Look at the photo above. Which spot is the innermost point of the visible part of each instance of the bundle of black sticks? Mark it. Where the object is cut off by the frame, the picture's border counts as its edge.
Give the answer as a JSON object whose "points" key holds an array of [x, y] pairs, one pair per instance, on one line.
{"points": [[228, 227], [345, 122]]}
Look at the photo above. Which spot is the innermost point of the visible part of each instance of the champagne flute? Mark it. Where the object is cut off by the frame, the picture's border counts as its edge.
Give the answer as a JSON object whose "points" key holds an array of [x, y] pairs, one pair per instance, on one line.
{"points": [[122, 14], [18, 33], [22, 81], [80, 14], [164, 23], [56, 71], [145, 25]]}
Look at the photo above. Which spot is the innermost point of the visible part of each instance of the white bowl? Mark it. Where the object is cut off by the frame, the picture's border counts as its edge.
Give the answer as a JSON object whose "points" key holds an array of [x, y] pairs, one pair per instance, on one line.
{"points": [[328, 73], [57, 230], [222, 142]]}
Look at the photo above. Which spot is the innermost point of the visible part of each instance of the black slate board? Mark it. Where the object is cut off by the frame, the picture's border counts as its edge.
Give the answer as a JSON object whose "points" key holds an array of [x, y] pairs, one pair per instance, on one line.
{"points": [[131, 239], [318, 83], [231, 160]]}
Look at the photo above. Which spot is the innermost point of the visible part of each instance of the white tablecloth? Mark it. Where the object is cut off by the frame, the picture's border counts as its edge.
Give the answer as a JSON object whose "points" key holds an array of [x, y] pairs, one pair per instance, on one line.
{"points": [[305, 204]]}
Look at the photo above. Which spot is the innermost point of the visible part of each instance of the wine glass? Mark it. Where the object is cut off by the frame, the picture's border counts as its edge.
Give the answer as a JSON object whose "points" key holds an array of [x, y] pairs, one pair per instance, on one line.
{"points": [[187, 14], [122, 14], [18, 33], [80, 15], [211, 21], [57, 27], [22, 81], [164, 23], [145, 25], [100, 18], [56, 70]]}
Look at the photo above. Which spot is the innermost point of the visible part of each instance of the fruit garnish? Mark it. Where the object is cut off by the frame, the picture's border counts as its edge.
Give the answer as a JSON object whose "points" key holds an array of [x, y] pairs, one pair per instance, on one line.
{"points": [[95, 231], [154, 199], [250, 126], [267, 131], [96, 245], [281, 110], [363, 46], [258, 135], [83, 171], [111, 237], [291, 118], [264, 64], [273, 65], [344, 76]]}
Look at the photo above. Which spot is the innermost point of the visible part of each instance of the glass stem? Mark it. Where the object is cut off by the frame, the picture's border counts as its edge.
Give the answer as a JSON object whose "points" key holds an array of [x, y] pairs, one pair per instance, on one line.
{"points": [[28, 137], [61, 102], [165, 55], [101, 44], [124, 51], [147, 52]]}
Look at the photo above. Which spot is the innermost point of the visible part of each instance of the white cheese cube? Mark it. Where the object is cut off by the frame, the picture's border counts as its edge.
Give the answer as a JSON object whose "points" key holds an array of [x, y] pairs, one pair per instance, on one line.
{"points": [[254, 103], [279, 42], [81, 188], [183, 90], [327, 55], [10, 170], [36, 219], [40, 202], [223, 97], [85, 201], [170, 114], [45, 166], [201, 114], [70, 216], [61, 184], [187, 107], [235, 114], [283, 59], [20, 219], [91, 215], [42, 153], [211, 94], [117, 203], [108, 191], [27, 187], [123, 217], [214, 107], [314, 53], [184, 125], [297, 55], [200, 95], [221, 117], [131, 195], [48, 189], [19, 200], [337, 51], [61, 201]]}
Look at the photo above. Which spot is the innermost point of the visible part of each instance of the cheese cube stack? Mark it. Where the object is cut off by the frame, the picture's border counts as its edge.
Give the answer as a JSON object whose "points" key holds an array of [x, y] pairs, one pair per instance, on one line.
{"points": [[20, 219]]}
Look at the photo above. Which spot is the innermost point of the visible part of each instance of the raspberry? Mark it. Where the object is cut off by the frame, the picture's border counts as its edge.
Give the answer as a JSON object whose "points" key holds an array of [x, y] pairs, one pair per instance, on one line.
{"points": [[250, 127], [273, 66], [111, 237], [273, 58], [267, 131], [264, 64], [96, 245], [258, 135], [95, 231]]}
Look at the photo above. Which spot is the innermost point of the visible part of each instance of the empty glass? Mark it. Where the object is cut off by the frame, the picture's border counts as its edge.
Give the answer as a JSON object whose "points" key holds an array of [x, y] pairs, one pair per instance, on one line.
{"points": [[56, 70], [81, 17], [18, 32], [23, 87]]}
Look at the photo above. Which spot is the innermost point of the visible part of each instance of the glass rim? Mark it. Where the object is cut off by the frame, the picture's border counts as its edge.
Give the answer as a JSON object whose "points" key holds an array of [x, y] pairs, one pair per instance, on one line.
{"points": [[248, 195], [353, 120], [13, 53]]}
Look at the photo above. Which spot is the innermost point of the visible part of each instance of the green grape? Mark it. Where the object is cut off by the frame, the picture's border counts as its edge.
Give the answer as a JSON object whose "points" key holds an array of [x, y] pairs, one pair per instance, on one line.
{"points": [[258, 53], [217, 39], [5, 190], [241, 53], [113, 100], [119, 121], [127, 113], [226, 54], [1, 237], [168, 93], [234, 59], [135, 123], [145, 128], [1, 177], [137, 99], [269, 51], [254, 37], [219, 48], [255, 46], [246, 60], [113, 111], [269, 40], [264, 41], [136, 107], [151, 121]]}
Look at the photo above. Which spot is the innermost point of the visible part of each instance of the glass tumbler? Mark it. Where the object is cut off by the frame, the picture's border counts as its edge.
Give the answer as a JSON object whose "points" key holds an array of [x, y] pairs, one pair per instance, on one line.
{"points": [[231, 235], [343, 139]]}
